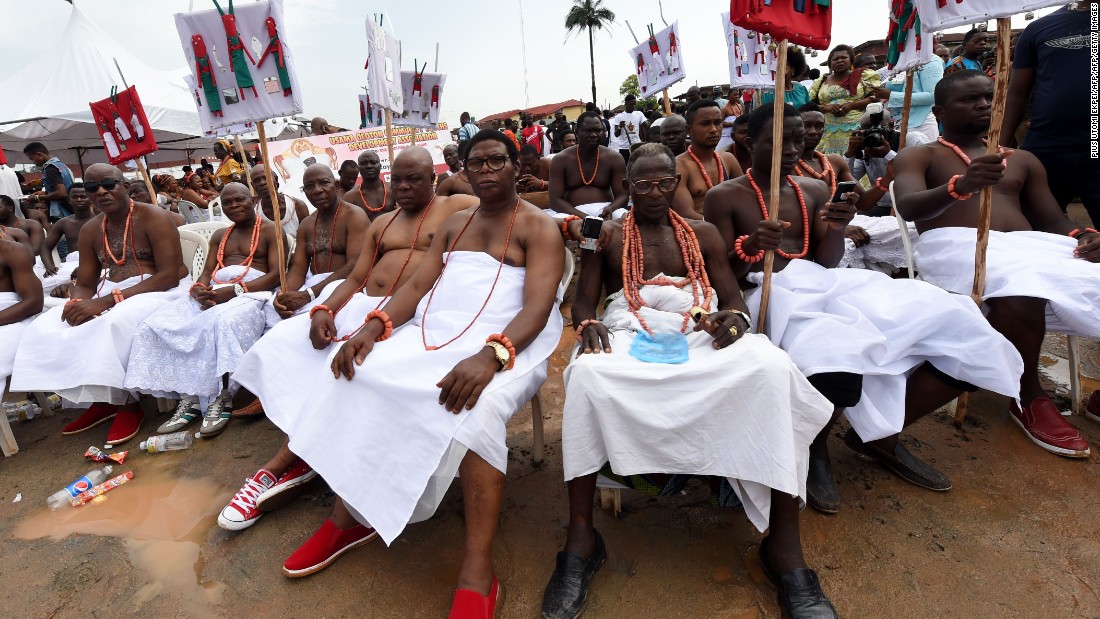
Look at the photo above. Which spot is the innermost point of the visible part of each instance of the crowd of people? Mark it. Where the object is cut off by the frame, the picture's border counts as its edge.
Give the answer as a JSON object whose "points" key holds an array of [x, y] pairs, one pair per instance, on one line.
{"points": [[422, 310]]}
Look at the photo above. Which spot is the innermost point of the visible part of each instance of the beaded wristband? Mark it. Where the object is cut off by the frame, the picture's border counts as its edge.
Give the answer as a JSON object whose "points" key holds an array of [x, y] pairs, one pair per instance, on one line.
{"points": [[564, 225], [880, 186], [116, 294], [738, 249], [954, 194], [244, 286], [507, 343], [1076, 232], [387, 324], [584, 324], [320, 308]]}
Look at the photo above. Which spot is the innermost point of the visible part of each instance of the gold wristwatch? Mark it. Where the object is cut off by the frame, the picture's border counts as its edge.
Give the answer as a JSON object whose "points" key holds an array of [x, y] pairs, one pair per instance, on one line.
{"points": [[503, 356]]}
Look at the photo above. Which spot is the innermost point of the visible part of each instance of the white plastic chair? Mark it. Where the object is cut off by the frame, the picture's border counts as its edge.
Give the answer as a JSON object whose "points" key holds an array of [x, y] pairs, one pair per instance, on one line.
{"points": [[214, 209], [205, 229], [194, 247], [191, 212], [1072, 343], [536, 401]]}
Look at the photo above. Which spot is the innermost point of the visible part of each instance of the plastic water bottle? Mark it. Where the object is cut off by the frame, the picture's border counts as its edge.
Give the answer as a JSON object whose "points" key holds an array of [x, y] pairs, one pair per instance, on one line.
{"points": [[21, 411], [94, 477], [175, 441]]}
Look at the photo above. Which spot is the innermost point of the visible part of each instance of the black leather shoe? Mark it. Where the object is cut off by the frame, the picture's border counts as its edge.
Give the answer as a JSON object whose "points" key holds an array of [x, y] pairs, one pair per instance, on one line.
{"points": [[798, 591], [567, 591], [903, 463], [821, 490]]}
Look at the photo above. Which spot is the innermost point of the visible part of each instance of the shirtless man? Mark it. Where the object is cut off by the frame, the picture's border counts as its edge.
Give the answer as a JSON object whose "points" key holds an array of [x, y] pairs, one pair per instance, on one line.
{"points": [[412, 402], [1037, 277], [701, 167], [849, 330], [188, 348], [35, 233], [347, 174], [587, 179], [534, 170], [454, 163], [739, 147], [458, 183], [373, 194], [392, 250], [69, 227], [293, 210], [674, 134], [328, 243], [139, 271], [20, 299]]}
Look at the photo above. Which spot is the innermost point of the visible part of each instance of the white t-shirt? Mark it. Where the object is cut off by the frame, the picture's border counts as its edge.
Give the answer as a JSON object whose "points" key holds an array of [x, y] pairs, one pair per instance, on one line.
{"points": [[633, 122]]}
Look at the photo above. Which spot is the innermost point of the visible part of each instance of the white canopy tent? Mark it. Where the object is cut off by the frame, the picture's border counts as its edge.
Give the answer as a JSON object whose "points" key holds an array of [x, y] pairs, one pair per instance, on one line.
{"points": [[48, 101]]}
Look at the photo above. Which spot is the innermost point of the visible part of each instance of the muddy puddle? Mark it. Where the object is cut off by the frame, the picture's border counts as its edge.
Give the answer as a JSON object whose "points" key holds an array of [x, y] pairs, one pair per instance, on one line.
{"points": [[163, 520]]}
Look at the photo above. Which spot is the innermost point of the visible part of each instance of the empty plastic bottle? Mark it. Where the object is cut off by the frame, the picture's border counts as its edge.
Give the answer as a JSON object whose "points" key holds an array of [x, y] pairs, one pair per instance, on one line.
{"points": [[94, 477], [175, 441]]}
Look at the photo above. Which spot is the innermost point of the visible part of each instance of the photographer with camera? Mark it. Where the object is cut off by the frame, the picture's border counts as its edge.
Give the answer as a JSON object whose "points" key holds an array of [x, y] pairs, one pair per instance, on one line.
{"points": [[870, 150]]}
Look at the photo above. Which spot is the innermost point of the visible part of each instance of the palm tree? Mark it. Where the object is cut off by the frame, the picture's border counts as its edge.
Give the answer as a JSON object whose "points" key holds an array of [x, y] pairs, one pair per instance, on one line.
{"points": [[588, 15]]}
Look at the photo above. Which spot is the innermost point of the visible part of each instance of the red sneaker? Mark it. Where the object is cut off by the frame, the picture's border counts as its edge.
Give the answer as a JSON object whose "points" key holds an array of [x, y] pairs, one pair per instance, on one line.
{"points": [[126, 425], [241, 512], [289, 487], [92, 417], [1092, 407], [1046, 427], [472, 605], [324, 547]]}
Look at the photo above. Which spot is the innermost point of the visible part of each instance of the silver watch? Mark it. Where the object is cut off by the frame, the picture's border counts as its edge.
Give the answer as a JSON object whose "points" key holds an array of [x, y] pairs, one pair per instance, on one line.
{"points": [[745, 317], [238, 290]]}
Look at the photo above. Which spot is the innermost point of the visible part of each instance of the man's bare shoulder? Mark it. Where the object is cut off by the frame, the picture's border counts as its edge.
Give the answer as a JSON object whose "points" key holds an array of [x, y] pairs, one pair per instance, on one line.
{"points": [[613, 156], [704, 230], [302, 225], [14, 254], [456, 202], [532, 219], [355, 213], [562, 159], [920, 155], [815, 191], [838, 161]]}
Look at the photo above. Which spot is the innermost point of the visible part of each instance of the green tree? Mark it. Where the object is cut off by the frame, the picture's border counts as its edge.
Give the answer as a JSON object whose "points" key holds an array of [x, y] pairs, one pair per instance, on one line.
{"points": [[589, 15], [630, 87]]}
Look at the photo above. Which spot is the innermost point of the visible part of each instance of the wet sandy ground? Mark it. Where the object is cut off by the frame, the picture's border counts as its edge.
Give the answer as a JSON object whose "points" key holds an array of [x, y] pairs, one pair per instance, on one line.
{"points": [[1013, 538]]}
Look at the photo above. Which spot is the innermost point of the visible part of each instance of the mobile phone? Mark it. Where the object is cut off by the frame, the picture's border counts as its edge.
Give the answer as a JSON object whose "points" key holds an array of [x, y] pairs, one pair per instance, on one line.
{"points": [[590, 230], [843, 188]]}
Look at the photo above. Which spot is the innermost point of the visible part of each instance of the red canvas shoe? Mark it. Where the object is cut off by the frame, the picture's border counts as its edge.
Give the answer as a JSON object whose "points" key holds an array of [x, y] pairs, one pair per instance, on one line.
{"points": [[328, 543], [290, 486], [241, 512], [92, 417], [126, 425], [1092, 407], [1046, 427], [472, 605]]}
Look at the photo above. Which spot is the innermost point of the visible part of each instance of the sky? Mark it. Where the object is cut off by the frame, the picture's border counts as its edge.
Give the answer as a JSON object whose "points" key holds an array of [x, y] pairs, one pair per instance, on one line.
{"points": [[498, 54]]}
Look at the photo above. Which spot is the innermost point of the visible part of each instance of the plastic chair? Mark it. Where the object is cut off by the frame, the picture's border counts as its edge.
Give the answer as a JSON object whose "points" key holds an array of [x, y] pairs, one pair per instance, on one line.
{"points": [[536, 401], [191, 212], [194, 247], [8, 445], [205, 229], [1072, 343], [214, 210]]}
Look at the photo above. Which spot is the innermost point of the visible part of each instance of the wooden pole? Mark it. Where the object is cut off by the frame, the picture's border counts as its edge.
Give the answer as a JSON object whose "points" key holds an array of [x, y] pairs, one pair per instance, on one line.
{"points": [[905, 108], [773, 187], [389, 136], [985, 200], [668, 105], [244, 163], [274, 204], [148, 179]]}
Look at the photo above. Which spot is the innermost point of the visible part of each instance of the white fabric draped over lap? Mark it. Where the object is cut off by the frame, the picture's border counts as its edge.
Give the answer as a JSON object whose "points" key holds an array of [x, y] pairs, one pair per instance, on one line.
{"points": [[885, 252], [863, 322], [1018, 264], [744, 412], [64, 272], [87, 363], [272, 317], [595, 209], [182, 349], [382, 441], [10, 336]]}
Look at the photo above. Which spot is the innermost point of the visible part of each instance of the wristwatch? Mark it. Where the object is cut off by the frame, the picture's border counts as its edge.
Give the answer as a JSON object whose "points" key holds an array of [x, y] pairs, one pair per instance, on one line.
{"points": [[745, 317], [503, 356], [312, 296], [238, 290]]}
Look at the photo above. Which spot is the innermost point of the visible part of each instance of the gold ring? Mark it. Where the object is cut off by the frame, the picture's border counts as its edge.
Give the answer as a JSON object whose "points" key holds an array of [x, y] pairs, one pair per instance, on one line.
{"points": [[734, 331]]}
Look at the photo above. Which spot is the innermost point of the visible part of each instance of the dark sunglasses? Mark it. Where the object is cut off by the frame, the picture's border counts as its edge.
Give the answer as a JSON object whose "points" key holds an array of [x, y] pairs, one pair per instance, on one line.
{"points": [[108, 183]]}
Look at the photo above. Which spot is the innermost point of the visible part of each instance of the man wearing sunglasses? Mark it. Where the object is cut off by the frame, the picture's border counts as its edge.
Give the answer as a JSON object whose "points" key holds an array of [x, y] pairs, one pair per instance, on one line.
{"points": [[130, 266], [587, 179], [734, 408]]}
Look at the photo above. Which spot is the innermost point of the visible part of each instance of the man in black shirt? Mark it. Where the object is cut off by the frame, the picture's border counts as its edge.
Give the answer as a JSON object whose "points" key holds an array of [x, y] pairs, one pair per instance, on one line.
{"points": [[1048, 51]]}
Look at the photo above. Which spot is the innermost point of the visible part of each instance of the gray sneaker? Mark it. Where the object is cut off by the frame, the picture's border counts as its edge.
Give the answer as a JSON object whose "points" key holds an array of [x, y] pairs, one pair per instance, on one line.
{"points": [[187, 411], [217, 416]]}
